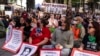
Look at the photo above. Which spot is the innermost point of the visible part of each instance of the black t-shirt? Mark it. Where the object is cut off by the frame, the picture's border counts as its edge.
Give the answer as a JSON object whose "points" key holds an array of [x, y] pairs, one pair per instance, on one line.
{"points": [[27, 30], [89, 45]]}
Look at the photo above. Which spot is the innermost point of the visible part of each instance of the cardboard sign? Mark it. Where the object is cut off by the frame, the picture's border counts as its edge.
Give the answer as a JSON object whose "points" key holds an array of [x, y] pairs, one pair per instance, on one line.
{"points": [[8, 33], [54, 8], [27, 50], [50, 53], [15, 42], [77, 52]]}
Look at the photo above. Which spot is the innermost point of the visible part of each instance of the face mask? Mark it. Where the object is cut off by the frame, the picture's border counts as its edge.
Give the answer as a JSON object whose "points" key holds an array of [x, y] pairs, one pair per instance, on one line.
{"points": [[74, 22]]}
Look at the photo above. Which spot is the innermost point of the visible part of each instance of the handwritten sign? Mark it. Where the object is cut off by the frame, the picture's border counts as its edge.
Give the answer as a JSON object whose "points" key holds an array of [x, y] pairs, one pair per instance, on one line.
{"points": [[15, 42], [8, 33], [54, 8]]}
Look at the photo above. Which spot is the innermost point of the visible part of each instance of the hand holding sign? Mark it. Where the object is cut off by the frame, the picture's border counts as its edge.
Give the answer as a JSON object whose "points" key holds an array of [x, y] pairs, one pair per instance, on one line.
{"points": [[58, 46]]}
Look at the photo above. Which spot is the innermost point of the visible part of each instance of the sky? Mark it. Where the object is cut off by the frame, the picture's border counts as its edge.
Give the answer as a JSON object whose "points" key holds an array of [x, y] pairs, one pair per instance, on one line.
{"points": [[23, 2], [38, 3]]}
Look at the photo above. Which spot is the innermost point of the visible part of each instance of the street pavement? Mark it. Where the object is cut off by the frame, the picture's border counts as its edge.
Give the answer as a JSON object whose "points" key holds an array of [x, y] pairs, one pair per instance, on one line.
{"points": [[4, 52]]}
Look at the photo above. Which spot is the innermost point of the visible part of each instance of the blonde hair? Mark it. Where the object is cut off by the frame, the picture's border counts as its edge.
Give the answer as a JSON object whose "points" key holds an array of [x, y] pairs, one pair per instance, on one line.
{"points": [[78, 18]]}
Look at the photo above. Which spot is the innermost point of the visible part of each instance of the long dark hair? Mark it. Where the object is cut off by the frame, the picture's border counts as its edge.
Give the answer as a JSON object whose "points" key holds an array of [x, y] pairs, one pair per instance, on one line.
{"points": [[44, 22], [67, 27], [97, 31]]}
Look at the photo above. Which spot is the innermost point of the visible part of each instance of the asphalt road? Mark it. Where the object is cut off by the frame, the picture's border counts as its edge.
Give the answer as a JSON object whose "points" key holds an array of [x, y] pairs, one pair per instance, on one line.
{"points": [[4, 52]]}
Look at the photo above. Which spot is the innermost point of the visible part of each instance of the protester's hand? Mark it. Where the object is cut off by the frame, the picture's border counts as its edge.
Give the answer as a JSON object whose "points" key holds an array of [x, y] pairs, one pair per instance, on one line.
{"points": [[37, 44], [22, 27], [31, 29], [80, 48], [58, 46], [30, 40]]}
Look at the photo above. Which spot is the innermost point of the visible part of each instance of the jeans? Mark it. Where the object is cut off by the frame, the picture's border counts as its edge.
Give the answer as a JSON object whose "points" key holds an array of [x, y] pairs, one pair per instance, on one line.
{"points": [[65, 52]]}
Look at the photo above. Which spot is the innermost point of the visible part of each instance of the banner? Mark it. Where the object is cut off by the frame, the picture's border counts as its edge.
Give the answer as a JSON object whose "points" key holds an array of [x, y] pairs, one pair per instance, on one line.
{"points": [[15, 42], [27, 50], [50, 53], [77, 52], [54, 8], [8, 33]]}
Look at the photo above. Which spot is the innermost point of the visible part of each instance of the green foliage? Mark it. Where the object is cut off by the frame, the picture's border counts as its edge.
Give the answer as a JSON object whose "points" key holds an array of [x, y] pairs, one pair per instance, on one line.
{"points": [[75, 1], [13, 0]]}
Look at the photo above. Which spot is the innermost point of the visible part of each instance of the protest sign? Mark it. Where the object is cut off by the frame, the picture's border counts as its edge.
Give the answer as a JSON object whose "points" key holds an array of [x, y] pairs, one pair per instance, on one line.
{"points": [[8, 13], [27, 50], [50, 52], [8, 33], [77, 52], [54, 8], [15, 42]]}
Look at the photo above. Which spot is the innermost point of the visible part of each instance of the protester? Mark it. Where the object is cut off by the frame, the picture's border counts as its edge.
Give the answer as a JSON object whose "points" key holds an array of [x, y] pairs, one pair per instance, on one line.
{"points": [[63, 38], [27, 30], [61, 20], [91, 41], [78, 30], [40, 35], [25, 15], [53, 23], [34, 22], [6, 20]]}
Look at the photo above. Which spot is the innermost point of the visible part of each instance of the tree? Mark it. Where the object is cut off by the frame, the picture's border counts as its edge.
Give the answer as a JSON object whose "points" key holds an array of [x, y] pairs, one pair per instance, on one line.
{"points": [[92, 4], [30, 4], [3, 1], [13, 1], [76, 3]]}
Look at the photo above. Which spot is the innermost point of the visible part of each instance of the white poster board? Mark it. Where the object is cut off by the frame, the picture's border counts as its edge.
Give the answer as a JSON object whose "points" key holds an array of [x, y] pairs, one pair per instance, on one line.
{"points": [[54, 8], [27, 50], [15, 42], [50, 53], [77, 52], [8, 33], [8, 13]]}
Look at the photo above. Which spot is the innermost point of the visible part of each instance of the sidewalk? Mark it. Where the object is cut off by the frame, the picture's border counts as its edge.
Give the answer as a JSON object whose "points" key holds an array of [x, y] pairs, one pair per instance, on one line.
{"points": [[3, 52]]}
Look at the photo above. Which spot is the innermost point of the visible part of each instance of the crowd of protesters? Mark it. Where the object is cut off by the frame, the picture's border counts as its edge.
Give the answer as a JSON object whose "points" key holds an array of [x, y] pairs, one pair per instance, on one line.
{"points": [[48, 30]]}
